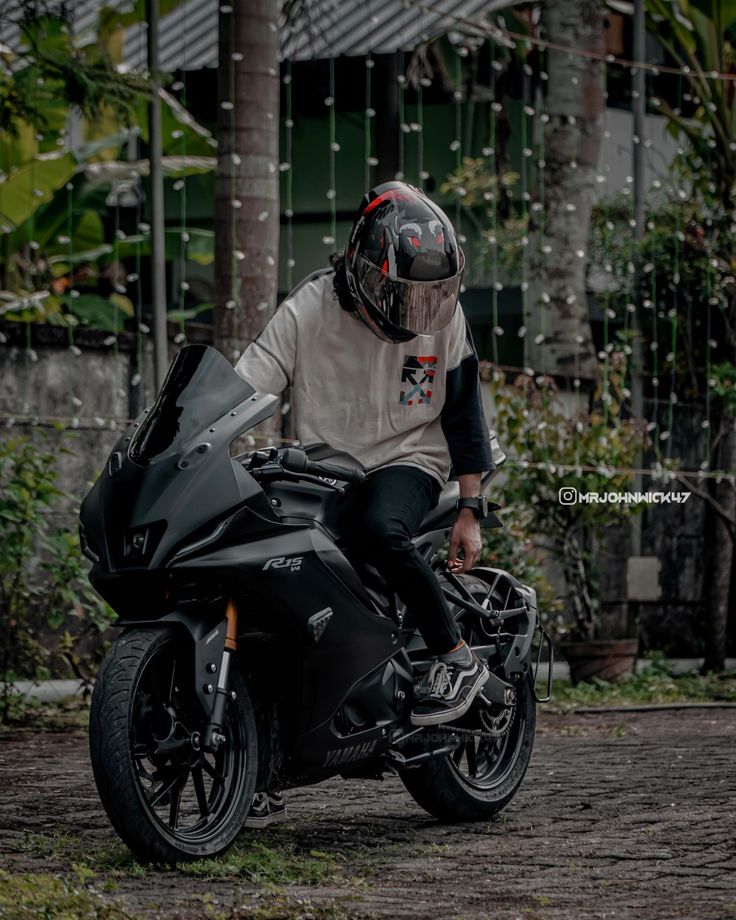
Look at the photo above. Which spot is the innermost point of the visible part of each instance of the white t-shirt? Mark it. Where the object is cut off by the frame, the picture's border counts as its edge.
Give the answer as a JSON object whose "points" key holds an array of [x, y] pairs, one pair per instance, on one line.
{"points": [[378, 401]]}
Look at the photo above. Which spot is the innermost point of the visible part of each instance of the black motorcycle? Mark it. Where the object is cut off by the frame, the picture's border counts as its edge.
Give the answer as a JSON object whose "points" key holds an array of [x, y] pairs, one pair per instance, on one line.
{"points": [[255, 653]]}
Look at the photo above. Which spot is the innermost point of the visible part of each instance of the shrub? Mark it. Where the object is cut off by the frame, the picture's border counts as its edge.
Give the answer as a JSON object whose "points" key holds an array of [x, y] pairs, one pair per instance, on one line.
{"points": [[549, 447], [42, 577]]}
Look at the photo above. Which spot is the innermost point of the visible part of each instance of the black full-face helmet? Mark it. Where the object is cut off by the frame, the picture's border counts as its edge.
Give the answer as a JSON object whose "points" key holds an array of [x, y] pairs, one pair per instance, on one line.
{"points": [[403, 263]]}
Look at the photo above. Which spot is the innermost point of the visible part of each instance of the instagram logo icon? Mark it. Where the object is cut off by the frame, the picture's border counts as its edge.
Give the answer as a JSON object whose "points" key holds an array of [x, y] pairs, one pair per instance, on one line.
{"points": [[568, 495]]}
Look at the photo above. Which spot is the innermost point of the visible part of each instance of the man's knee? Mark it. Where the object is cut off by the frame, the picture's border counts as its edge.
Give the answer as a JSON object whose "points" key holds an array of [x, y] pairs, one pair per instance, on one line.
{"points": [[382, 534]]}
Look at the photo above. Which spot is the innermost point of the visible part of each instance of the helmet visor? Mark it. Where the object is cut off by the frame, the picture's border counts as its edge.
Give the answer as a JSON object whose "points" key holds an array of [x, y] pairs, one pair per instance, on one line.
{"points": [[418, 307]]}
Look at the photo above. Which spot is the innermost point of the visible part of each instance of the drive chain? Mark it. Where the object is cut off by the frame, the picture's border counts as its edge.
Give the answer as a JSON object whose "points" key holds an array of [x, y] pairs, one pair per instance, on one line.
{"points": [[467, 732]]}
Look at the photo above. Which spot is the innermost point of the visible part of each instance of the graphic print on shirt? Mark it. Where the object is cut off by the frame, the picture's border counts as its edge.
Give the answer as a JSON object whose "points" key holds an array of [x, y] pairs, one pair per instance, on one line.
{"points": [[417, 376]]}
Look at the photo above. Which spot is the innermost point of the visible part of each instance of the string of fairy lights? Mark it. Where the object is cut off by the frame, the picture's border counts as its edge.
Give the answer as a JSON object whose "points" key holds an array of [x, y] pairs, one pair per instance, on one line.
{"points": [[181, 186], [228, 105], [527, 117], [286, 170], [330, 238]]}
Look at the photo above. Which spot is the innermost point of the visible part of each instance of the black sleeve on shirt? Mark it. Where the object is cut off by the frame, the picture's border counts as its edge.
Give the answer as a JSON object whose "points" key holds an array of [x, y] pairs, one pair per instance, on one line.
{"points": [[462, 419]]}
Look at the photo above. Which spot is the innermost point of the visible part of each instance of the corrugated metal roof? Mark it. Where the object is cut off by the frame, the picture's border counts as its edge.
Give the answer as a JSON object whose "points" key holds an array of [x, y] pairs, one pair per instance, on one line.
{"points": [[187, 38], [330, 28], [322, 28]]}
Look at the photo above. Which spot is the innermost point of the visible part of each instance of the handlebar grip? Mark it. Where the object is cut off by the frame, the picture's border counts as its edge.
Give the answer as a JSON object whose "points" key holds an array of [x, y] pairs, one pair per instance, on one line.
{"points": [[333, 471]]}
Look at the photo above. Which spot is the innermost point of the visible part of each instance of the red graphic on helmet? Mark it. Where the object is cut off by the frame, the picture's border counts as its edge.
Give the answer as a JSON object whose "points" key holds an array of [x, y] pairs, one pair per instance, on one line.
{"points": [[403, 263]]}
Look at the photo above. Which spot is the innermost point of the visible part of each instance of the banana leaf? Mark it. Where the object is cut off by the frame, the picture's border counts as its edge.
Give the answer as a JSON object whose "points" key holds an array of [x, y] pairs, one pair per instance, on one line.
{"points": [[174, 167], [27, 188], [199, 248], [106, 313], [190, 313]]}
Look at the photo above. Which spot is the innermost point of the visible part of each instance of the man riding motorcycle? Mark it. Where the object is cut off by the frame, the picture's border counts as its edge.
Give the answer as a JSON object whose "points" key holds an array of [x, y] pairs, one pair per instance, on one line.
{"points": [[404, 400]]}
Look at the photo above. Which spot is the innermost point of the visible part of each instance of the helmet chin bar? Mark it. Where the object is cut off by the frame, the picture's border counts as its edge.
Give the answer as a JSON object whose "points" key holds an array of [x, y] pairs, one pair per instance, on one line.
{"points": [[398, 338]]}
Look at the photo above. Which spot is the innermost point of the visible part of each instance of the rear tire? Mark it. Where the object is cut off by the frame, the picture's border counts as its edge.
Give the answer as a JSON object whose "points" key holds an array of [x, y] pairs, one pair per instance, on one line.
{"points": [[441, 787], [482, 776], [149, 775]]}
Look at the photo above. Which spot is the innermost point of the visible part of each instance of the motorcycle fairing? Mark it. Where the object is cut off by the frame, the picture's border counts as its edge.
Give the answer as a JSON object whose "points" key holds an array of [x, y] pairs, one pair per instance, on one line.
{"points": [[147, 500], [362, 725], [294, 574]]}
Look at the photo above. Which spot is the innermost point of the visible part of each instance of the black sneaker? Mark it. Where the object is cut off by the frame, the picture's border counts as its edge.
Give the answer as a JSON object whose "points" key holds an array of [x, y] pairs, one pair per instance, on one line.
{"points": [[266, 808], [448, 691]]}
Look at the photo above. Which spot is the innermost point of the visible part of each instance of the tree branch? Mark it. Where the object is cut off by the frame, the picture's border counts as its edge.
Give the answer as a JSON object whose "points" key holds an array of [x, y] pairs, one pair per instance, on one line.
{"points": [[729, 521]]}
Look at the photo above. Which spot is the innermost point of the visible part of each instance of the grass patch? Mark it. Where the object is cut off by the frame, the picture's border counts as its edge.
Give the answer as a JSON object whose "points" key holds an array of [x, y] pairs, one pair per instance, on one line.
{"points": [[83, 850], [270, 860], [281, 907], [273, 862], [91, 872], [269, 865], [30, 714], [656, 684], [30, 895]]}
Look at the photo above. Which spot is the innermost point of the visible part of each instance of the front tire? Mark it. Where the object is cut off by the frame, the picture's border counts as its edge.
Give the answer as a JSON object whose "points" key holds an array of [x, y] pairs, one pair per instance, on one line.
{"points": [[168, 800]]}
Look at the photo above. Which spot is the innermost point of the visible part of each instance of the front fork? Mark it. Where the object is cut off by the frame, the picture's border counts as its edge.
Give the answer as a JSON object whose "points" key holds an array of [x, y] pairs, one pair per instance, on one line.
{"points": [[213, 736]]}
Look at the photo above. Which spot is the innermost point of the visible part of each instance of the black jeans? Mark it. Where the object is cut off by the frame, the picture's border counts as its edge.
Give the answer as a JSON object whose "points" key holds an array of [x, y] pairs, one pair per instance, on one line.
{"points": [[384, 514]]}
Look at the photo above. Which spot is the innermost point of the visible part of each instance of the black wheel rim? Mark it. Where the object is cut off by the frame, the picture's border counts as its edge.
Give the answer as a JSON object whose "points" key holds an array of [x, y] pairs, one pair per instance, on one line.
{"points": [[484, 763], [189, 794]]}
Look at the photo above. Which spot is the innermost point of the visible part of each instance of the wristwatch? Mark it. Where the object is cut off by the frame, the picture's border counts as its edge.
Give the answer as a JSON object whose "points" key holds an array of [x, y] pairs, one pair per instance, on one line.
{"points": [[478, 504]]}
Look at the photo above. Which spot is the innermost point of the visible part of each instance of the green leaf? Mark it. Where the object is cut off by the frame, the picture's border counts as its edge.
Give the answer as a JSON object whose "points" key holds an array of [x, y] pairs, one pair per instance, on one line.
{"points": [[713, 9], [83, 255], [181, 316], [123, 303], [174, 167], [88, 231], [98, 145], [53, 219], [96, 311], [26, 189], [200, 246]]}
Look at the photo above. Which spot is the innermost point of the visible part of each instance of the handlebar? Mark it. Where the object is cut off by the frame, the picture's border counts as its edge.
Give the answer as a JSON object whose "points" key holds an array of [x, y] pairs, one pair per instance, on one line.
{"points": [[333, 471], [294, 460]]}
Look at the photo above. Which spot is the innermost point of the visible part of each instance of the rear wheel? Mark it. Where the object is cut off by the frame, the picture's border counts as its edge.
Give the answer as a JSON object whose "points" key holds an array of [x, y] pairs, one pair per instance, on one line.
{"points": [[486, 770], [167, 798]]}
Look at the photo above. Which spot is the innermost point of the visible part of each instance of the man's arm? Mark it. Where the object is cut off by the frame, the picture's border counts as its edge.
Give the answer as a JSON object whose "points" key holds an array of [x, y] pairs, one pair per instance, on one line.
{"points": [[268, 362], [465, 533], [468, 440]]}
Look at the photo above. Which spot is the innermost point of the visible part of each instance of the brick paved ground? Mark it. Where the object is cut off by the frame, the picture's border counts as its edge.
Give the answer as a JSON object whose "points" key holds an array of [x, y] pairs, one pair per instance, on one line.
{"points": [[621, 816]]}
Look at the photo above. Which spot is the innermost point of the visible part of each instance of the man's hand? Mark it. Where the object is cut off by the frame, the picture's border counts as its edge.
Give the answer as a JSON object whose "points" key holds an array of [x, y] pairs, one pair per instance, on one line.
{"points": [[466, 536]]}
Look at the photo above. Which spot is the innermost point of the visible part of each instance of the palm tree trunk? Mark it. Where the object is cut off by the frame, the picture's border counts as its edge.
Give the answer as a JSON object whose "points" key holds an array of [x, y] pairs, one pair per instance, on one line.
{"points": [[572, 136], [720, 552], [246, 189]]}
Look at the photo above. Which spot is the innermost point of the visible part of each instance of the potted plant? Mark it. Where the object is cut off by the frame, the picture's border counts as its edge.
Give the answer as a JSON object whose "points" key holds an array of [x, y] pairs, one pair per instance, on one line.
{"points": [[558, 452]]}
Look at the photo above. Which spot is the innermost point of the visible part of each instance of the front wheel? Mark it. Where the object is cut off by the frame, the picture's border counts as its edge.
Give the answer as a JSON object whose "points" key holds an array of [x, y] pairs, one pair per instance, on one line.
{"points": [[167, 798], [485, 772]]}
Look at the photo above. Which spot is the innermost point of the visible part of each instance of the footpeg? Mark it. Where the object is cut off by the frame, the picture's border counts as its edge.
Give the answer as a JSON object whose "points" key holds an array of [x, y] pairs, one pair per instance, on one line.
{"points": [[398, 760]]}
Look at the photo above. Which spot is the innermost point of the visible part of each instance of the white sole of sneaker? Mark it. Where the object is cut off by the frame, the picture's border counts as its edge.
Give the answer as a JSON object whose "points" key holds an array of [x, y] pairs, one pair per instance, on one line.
{"points": [[449, 715], [267, 820]]}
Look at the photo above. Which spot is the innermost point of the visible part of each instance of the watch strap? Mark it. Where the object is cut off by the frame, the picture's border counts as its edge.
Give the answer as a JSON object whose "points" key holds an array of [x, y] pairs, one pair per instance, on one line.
{"points": [[477, 503]]}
